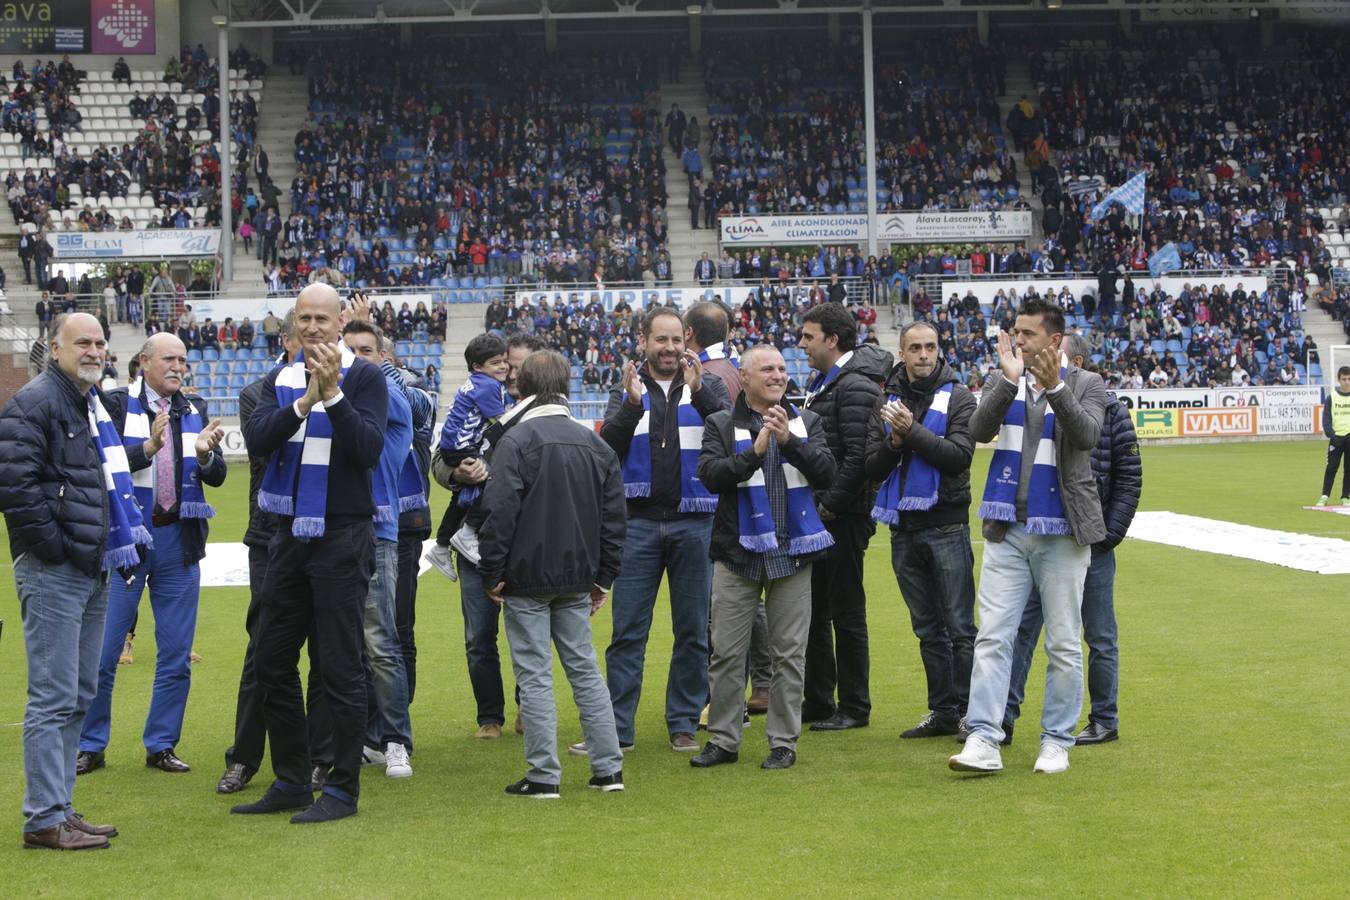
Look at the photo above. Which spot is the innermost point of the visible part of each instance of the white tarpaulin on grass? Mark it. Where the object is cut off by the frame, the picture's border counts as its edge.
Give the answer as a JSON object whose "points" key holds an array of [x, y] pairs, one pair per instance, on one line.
{"points": [[1306, 552], [226, 565]]}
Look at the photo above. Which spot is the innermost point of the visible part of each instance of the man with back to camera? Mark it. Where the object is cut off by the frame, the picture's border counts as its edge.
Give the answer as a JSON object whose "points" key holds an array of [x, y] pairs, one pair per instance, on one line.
{"points": [[1336, 426], [763, 458], [321, 421], [550, 547], [68, 530], [843, 393], [172, 452], [1119, 474], [654, 422], [1041, 516], [919, 450]]}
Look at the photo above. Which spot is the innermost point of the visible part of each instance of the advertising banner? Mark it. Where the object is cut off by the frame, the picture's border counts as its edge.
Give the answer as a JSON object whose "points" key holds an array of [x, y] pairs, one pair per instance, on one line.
{"points": [[122, 27], [1293, 395], [1236, 422], [794, 229], [731, 294], [1303, 419], [953, 227], [1166, 398], [1157, 423], [161, 244], [986, 289]]}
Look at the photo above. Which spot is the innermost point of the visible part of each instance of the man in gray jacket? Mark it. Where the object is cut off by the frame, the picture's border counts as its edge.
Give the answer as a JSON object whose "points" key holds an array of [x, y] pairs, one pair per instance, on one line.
{"points": [[1041, 517], [550, 546]]}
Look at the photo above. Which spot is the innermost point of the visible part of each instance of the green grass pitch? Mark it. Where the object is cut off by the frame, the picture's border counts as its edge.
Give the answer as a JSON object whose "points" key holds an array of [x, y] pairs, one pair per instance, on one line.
{"points": [[1231, 777]]}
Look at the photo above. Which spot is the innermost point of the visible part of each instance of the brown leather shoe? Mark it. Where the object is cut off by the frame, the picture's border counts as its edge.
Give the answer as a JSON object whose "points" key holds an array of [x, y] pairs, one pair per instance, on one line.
{"points": [[63, 837], [76, 821], [758, 703]]}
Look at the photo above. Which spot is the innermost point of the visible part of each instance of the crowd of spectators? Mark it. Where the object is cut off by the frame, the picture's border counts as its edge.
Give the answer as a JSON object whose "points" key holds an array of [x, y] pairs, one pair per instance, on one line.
{"points": [[170, 154], [472, 160]]}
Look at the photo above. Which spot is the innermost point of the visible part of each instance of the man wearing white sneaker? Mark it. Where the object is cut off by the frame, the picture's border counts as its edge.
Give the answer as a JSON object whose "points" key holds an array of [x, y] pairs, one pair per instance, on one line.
{"points": [[1041, 516]]}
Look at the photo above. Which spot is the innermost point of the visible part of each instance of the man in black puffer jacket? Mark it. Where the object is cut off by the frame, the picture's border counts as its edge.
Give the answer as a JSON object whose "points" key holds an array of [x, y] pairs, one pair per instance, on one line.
{"points": [[843, 394], [53, 495], [1120, 480]]}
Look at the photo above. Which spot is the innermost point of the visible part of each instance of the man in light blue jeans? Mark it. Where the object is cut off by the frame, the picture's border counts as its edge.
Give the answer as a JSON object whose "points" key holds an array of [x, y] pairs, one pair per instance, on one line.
{"points": [[1041, 515]]}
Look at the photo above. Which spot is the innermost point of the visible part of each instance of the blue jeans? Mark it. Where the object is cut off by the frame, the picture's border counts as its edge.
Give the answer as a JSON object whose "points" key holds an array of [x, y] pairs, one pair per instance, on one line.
{"points": [[677, 548], [173, 597], [387, 680], [481, 620], [934, 568], [1099, 630], [1010, 569], [565, 621], [63, 611]]}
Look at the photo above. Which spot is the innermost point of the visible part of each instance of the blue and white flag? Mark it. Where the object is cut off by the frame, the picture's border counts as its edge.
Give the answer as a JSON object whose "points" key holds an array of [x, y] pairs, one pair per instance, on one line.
{"points": [[1165, 259], [1129, 195]]}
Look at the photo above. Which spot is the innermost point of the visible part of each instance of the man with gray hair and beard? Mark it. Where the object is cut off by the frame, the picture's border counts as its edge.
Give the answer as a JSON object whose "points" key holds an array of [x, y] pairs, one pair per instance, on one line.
{"points": [[68, 530]]}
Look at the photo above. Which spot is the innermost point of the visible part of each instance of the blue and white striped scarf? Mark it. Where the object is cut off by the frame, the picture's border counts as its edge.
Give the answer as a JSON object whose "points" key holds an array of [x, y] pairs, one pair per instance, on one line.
{"points": [[825, 379], [126, 528], [136, 431], [920, 488], [1045, 506], [725, 350], [296, 481], [637, 467], [410, 496], [806, 533]]}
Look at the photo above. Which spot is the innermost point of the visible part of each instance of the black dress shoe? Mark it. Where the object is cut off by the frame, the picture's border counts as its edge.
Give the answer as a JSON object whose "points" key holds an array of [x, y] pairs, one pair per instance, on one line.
{"points": [[780, 758], [713, 755], [275, 800], [236, 776], [87, 761], [326, 809], [166, 761], [933, 725], [839, 722], [1095, 733], [811, 714]]}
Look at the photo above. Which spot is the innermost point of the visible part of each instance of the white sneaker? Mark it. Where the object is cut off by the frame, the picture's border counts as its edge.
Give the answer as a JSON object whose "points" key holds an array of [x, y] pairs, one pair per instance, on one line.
{"points": [[466, 542], [1053, 759], [978, 756], [579, 748], [396, 763], [371, 757], [440, 557]]}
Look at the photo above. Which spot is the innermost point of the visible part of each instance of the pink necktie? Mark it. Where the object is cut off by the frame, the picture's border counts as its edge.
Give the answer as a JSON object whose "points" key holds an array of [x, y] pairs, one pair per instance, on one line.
{"points": [[166, 492]]}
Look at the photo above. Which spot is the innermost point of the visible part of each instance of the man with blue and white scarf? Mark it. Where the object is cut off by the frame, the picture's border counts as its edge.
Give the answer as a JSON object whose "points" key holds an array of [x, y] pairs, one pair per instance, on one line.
{"points": [[320, 420], [1041, 516], [172, 450], [919, 450], [654, 422], [71, 519], [764, 458]]}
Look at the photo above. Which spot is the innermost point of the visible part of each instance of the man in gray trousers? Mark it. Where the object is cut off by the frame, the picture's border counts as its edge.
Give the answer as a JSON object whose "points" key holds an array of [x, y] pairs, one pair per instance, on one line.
{"points": [[550, 546]]}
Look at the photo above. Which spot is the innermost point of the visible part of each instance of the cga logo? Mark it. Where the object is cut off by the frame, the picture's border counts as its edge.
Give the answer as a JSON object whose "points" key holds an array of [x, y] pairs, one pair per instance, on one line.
{"points": [[739, 231]]}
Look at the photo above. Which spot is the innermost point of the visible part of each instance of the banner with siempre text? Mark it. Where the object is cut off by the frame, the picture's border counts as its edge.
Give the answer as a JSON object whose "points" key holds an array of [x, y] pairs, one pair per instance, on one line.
{"points": [[638, 298], [953, 227], [808, 228], [162, 244]]}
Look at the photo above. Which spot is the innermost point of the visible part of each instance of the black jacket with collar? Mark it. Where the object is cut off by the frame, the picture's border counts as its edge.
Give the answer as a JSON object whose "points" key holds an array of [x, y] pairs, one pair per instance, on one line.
{"points": [[51, 481], [555, 508], [621, 418], [1119, 470], [194, 531], [722, 470], [845, 408], [950, 454]]}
